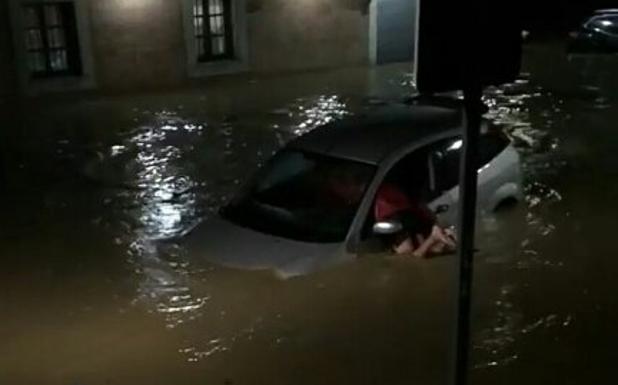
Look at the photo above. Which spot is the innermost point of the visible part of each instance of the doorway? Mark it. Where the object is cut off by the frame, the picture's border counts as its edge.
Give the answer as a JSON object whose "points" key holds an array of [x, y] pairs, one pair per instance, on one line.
{"points": [[393, 30]]}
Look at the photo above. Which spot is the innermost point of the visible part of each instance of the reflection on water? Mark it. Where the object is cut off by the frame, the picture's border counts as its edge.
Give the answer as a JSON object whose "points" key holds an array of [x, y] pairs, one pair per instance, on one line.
{"points": [[496, 343], [324, 110], [530, 116], [167, 199], [306, 114], [164, 207]]}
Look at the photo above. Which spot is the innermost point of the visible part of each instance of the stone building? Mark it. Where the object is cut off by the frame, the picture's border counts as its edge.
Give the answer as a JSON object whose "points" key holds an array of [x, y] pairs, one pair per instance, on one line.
{"points": [[67, 45]]}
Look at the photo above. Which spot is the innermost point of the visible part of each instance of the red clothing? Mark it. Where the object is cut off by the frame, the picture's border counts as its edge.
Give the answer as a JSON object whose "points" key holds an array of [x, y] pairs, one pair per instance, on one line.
{"points": [[390, 201]]}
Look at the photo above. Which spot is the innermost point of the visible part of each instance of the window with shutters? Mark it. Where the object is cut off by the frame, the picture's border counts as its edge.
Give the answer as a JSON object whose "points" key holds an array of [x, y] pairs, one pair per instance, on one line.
{"points": [[212, 20], [215, 36], [53, 47], [51, 41]]}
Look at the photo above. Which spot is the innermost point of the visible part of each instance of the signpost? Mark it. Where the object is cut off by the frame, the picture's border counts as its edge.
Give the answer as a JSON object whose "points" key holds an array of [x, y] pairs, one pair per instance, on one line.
{"points": [[467, 46]]}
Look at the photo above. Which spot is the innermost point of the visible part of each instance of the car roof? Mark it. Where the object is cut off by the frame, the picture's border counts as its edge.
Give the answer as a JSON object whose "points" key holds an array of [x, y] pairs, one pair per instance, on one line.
{"points": [[374, 134]]}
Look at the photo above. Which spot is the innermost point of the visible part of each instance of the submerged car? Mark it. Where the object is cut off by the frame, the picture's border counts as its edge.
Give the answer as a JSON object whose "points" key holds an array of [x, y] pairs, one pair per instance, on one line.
{"points": [[598, 34], [311, 205]]}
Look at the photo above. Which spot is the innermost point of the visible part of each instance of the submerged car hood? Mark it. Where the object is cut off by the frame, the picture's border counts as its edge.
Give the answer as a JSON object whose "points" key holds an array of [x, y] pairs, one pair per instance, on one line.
{"points": [[224, 243]]}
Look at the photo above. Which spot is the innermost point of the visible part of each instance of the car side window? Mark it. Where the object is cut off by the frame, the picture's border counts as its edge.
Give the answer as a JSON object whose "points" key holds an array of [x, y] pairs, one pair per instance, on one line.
{"points": [[411, 175], [446, 158]]}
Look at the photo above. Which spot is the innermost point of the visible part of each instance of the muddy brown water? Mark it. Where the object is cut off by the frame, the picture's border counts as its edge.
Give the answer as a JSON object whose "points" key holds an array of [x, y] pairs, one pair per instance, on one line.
{"points": [[96, 287]]}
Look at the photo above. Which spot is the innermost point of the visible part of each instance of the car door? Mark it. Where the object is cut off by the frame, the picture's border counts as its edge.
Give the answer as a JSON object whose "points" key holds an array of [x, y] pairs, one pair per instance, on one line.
{"points": [[445, 165], [492, 173], [444, 160], [411, 174]]}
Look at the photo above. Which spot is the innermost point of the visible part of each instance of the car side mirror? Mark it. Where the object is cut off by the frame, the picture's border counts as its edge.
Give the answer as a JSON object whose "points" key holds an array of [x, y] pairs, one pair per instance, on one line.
{"points": [[387, 227]]}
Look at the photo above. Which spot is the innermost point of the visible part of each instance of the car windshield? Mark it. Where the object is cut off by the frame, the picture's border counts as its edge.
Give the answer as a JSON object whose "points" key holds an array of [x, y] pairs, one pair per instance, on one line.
{"points": [[303, 196]]}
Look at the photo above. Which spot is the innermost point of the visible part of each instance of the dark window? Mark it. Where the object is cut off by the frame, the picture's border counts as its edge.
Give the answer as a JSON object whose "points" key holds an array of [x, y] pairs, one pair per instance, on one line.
{"points": [[212, 20], [412, 176], [446, 158], [490, 145], [51, 39]]}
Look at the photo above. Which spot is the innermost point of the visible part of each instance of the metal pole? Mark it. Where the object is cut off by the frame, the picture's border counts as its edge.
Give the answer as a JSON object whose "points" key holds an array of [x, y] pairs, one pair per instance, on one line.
{"points": [[467, 222]]}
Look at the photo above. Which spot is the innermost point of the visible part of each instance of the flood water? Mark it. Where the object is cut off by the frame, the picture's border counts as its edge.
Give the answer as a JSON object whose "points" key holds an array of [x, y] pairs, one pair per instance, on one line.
{"points": [[97, 287]]}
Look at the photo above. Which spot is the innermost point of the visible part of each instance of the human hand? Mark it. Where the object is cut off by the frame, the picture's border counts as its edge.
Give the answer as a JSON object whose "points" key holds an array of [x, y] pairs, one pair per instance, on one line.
{"points": [[446, 237]]}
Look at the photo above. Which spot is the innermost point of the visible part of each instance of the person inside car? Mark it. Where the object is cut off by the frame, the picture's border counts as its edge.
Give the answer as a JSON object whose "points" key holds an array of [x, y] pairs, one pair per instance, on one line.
{"points": [[421, 235]]}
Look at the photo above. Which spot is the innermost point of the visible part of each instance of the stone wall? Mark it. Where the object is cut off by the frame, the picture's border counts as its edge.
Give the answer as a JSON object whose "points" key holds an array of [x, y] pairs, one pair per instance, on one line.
{"points": [[286, 35], [137, 43], [140, 44]]}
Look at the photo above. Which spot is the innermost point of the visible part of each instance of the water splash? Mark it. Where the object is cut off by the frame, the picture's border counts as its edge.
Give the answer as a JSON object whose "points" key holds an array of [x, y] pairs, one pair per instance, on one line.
{"points": [[497, 345], [510, 110], [158, 202], [312, 113]]}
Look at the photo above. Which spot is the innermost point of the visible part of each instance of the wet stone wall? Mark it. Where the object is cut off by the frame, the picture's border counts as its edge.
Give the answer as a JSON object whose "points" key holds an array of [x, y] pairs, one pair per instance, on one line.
{"points": [[309, 34], [142, 44], [138, 44]]}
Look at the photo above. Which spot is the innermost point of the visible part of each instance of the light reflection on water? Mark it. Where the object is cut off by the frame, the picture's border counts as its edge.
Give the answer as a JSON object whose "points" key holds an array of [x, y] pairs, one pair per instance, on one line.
{"points": [[306, 114], [324, 110], [496, 345], [162, 206]]}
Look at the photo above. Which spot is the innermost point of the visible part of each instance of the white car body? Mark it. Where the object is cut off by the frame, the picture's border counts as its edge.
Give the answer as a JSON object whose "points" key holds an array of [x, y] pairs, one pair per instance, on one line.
{"points": [[382, 138]]}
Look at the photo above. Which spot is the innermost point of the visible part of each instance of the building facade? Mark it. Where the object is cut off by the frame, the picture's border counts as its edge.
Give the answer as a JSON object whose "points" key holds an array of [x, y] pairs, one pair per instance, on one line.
{"points": [[67, 45]]}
